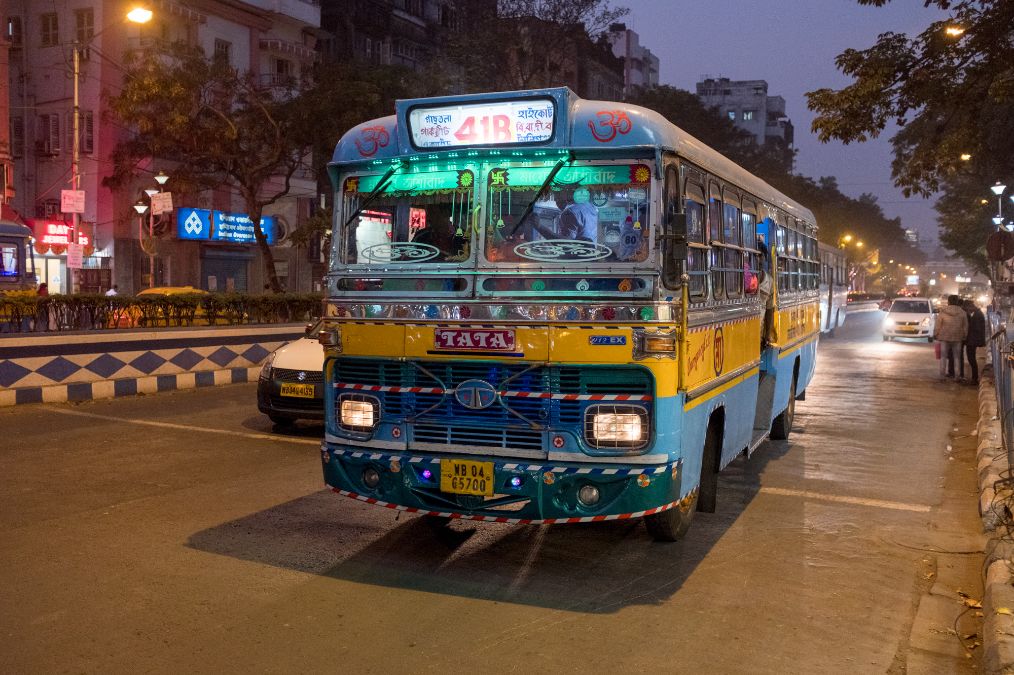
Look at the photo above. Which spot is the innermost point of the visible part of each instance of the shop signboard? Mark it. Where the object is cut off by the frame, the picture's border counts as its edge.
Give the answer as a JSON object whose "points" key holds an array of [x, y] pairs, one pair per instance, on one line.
{"points": [[234, 228], [72, 201], [56, 233], [74, 256]]}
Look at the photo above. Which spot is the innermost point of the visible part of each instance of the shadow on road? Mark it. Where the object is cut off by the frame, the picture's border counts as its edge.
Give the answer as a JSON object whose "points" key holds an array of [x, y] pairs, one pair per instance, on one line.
{"points": [[593, 568]]}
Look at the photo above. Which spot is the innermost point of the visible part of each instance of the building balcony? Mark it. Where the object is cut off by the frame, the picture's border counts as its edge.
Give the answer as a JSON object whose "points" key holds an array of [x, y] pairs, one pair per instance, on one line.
{"points": [[288, 48], [303, 11]]}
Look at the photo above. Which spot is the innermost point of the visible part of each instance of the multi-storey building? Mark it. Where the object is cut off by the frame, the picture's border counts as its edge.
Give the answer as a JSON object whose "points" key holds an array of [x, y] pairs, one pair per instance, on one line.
{"points": [[747, 104], [640, 66], [272, 38]]}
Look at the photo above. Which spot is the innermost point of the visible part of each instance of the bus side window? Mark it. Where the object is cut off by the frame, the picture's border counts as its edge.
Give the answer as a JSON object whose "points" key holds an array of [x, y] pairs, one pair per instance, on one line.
{"points": [[697, 266], [732, 257], [697, 250], [751, 261], [715, 235]]}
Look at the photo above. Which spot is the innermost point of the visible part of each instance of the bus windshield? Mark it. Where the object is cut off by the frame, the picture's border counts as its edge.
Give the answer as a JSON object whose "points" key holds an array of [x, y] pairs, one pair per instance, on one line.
{"points": [[589, 213], [417, 218]]}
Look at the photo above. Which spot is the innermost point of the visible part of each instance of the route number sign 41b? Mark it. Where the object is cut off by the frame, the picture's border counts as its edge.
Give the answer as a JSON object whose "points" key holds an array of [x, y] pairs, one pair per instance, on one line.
{"points": [[500, 123]]}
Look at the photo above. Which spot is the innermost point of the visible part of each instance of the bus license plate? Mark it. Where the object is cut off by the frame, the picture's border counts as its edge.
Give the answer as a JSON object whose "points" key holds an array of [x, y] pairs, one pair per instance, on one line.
{"points": [[297, 390], [464, 477]]}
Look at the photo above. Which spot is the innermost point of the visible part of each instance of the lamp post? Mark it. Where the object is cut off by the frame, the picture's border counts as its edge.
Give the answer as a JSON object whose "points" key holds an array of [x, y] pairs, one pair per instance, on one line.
{"points": [[137, 15], [141, 208], [161, 178], [998, 191]]}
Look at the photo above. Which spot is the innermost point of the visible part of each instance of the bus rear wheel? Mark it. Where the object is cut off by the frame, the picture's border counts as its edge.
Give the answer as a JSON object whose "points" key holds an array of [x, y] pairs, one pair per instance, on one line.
{"points": [[672, 524], [782, 425]]}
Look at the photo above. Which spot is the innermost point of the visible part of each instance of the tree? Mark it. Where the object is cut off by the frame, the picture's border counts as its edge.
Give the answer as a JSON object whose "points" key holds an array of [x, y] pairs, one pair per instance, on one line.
{"points": [[526, 44], [219, 126], [952, 94]]}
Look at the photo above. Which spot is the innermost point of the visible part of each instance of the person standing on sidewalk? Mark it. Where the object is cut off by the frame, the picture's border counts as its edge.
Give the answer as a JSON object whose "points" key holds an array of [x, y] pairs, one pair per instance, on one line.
{"points": [[951, 329], [976, 336]]}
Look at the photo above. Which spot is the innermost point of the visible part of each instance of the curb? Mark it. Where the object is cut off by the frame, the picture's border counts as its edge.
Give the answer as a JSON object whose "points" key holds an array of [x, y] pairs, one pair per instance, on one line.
{"points": [[994, 495], [131, 386]]}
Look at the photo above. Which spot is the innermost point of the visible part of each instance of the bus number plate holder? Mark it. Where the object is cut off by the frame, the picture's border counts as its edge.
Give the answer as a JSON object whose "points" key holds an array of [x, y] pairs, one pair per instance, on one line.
{"points": [[466, 477]]}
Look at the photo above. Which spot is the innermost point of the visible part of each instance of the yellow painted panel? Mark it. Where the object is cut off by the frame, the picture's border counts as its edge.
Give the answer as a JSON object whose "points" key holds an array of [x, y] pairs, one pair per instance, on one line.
{"points": [[379, 339], [721, 348], [574, 345], [793, 323]]}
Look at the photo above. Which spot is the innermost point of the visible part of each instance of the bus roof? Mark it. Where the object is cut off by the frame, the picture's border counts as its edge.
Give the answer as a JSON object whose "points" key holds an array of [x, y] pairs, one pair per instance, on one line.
{"points": [[10, 228], [425, 126]]}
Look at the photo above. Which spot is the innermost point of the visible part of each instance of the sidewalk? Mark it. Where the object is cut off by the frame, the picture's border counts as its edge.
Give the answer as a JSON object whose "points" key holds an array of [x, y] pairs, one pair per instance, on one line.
{"points": [[995, 508]]}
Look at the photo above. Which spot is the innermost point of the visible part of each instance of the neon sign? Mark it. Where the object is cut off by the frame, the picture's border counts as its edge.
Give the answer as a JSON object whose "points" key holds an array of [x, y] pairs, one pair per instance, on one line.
{"points": [[58, 234], [500, 123]]}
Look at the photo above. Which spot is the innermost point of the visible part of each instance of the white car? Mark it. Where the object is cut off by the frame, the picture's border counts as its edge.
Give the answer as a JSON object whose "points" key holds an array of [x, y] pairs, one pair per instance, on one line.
{"points": [[910, 318], [291, 384]]}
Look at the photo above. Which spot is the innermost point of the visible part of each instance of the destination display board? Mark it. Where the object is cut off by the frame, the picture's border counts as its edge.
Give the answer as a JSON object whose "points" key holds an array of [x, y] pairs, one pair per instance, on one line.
{"points": [[520, 122]]}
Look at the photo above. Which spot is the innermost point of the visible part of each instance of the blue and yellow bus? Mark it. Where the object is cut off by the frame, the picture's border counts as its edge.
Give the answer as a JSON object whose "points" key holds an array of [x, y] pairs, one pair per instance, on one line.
{"points": [[834, 287], [17, 261], [544, 309]]}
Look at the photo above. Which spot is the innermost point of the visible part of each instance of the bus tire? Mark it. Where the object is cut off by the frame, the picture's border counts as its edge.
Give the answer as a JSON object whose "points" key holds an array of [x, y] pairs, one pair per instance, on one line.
{"points": [[707, 498], [672, 524], [782, 425]]}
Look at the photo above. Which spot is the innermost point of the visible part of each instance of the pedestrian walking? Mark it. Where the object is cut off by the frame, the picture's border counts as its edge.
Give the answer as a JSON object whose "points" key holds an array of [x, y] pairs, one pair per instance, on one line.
{"points": [[976, 337], [951, 329]]}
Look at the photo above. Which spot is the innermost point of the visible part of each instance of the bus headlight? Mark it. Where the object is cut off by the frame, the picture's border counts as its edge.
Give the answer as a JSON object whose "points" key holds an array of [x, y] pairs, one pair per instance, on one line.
{"points": [[616, 426], [357, 412]]}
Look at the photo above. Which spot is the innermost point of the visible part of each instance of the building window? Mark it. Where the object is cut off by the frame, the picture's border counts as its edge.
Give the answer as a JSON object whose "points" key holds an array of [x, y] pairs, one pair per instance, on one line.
{"points": [[86, 132], [223, 52], [49, 134], [50, 30], [748, 115], [17, 136], [283, 70], [14, 30], [85, 25], [732, 115]]}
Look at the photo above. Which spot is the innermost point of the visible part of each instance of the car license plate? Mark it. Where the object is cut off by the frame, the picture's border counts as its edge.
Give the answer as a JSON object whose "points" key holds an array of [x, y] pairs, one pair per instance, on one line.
{"points": [[297, 390], [464, 477]]}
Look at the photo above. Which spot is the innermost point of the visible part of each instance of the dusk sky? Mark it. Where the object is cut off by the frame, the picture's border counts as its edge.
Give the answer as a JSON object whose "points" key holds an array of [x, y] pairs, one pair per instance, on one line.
{"points": [[792, 44]]}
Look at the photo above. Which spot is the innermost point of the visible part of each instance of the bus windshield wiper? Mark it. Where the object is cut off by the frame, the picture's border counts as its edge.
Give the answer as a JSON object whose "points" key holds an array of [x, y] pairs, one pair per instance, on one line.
{"points": [[549, 179], [382, 184]]}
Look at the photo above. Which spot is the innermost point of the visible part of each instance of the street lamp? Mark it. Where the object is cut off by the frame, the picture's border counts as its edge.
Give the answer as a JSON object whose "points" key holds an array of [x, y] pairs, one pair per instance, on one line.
{"points": [[998, 191], [141, 208], [161, 178]]}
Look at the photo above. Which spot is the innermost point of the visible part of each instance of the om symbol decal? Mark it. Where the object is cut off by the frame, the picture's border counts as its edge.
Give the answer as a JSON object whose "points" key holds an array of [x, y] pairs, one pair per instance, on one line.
{"points": [[397, 252], [372, 139], [719, 350], [610, 122], [562, 249]]}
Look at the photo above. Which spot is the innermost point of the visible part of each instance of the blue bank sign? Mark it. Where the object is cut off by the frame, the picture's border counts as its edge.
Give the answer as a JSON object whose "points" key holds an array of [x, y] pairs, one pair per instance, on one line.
{"points": [[207, 225]]}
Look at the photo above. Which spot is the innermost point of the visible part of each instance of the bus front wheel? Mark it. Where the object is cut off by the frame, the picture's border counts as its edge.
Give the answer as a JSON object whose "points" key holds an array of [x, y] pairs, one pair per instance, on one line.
{"points": [[672, 524]]}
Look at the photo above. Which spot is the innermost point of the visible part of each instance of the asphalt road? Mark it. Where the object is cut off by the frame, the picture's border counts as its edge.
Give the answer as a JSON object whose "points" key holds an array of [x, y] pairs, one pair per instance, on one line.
{"points": [[179, 533]]}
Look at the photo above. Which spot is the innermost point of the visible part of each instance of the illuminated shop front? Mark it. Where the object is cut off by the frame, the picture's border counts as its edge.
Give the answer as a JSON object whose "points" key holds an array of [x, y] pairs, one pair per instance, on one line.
{"points": [[52, 237]]}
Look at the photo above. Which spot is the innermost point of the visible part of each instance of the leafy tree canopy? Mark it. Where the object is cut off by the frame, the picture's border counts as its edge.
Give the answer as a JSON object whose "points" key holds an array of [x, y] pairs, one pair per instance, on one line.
{"points": [[952, 94], [527, 44]]}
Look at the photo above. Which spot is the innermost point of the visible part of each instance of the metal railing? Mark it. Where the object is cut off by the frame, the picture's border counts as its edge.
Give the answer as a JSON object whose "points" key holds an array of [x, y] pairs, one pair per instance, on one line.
{"points": [[1001, 350]]}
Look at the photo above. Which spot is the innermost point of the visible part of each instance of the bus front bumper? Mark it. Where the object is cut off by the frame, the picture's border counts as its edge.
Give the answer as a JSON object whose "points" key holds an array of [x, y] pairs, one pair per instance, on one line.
{"points": [[523, 492]]}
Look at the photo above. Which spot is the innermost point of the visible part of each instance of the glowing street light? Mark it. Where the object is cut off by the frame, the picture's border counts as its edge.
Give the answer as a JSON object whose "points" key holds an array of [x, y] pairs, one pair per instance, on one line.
{"points": [[965, 157], [954, 31], [140, 15], [998, 191]]}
